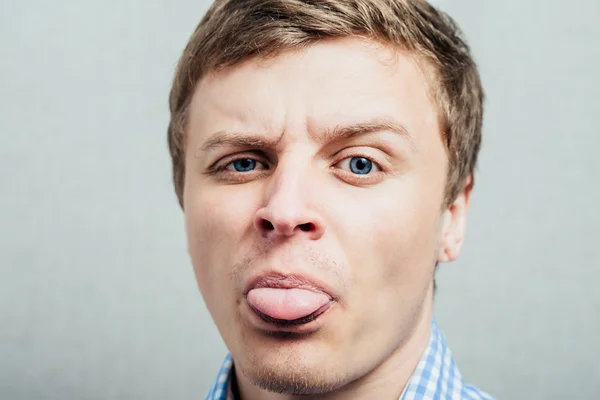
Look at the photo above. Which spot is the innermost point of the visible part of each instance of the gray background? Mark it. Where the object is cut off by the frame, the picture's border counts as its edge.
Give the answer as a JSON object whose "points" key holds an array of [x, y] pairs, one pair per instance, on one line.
{"points": [[97, 296]]}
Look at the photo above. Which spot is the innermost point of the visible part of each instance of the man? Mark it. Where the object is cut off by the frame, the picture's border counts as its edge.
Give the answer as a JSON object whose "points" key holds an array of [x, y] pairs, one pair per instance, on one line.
{"points": [[323, 154]]}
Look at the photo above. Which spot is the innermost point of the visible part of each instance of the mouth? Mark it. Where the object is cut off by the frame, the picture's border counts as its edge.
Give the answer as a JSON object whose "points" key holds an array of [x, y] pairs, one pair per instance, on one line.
{"points": [[287, 301], [283, 323]]}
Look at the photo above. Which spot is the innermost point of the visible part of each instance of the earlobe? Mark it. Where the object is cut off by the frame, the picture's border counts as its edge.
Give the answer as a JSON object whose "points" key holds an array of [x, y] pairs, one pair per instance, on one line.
{"points": [[444, 242], [454, 225]]}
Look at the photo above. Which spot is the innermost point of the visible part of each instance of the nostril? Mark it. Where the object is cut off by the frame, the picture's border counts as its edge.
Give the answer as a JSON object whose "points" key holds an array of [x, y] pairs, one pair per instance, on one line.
{"points": [[267, 225], [307, 227]]}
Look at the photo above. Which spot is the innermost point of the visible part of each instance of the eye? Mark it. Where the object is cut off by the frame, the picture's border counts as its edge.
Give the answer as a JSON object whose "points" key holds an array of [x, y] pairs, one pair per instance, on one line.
{"points": [[244, 165], [358, 165]]}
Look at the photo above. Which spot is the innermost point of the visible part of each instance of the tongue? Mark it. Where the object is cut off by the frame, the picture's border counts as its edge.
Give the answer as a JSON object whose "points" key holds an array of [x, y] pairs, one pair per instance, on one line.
{"points": [[286, 304]]}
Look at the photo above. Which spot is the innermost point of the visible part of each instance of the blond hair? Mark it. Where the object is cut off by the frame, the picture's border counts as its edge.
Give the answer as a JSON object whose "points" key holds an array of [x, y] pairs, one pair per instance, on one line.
{"points": [[233, 31]]}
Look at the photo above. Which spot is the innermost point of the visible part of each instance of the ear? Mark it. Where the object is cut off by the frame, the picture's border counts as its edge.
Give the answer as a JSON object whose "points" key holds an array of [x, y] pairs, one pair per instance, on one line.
{"points": [[454, 223]]}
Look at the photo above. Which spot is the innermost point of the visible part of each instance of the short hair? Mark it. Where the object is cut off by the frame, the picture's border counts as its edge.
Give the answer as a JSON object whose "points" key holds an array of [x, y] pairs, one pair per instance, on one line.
{"points": [[233, 31]]}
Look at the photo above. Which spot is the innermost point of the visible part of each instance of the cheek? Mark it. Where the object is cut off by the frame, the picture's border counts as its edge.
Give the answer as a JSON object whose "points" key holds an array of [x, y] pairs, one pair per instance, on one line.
{"points": [[215, 224], [396, 237], [390, 246], [405, 246]]}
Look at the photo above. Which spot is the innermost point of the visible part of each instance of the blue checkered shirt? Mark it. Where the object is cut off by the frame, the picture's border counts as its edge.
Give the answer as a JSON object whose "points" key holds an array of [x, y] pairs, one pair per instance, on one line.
{"points": [[436, 376]]}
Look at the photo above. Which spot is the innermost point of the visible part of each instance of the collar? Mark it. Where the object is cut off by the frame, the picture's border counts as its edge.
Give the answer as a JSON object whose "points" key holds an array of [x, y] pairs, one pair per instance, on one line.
{"points": [[435, 377]]}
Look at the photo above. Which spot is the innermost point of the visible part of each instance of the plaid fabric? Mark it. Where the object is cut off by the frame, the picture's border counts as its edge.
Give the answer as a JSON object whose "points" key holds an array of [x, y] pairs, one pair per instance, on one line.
{"points": [[435, 378]]}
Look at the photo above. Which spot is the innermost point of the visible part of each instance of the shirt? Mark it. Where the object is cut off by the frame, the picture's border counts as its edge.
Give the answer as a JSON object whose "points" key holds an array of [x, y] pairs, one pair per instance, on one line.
{"points": [[435, 378]]}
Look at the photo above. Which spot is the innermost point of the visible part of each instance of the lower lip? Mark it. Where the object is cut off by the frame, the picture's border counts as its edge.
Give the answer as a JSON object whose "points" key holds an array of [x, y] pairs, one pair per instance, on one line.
{"points": [[313, 321]]}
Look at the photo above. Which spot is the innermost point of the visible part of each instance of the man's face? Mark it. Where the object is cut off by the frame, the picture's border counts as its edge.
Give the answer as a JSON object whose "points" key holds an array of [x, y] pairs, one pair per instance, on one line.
{"points": [[313, 208]]}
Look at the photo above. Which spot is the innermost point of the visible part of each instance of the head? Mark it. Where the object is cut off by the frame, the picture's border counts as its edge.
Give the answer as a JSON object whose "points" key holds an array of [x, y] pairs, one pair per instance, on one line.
{"points": [[327, 146]]}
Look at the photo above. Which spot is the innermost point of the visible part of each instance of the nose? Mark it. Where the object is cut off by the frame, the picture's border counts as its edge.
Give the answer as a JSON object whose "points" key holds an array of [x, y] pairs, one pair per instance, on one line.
{"points": [[289, 208]]}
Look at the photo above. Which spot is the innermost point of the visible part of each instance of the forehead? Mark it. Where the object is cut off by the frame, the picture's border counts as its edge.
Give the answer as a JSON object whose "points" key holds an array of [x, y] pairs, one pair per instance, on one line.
{"points": [[331, 82]]}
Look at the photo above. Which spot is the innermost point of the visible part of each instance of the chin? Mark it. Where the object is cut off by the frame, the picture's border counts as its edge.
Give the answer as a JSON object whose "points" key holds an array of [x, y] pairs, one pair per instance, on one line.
{"points": [[298, 376], [291, 365]]}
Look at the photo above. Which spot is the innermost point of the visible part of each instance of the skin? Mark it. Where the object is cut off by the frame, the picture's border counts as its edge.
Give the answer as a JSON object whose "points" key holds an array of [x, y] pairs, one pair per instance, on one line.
{"points": [[372, 240]]}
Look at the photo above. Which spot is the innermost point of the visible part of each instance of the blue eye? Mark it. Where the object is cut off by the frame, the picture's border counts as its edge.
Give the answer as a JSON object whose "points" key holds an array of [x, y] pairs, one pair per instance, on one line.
{"points": [[246, 165], [360, 165], [242, 165]]}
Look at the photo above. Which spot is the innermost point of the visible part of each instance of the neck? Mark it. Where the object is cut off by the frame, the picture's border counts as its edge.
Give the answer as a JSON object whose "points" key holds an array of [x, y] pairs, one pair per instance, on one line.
{"points": [[386, 381]]}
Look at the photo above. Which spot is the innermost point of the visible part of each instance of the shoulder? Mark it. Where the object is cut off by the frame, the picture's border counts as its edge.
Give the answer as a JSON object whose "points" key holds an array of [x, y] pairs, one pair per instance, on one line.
{"points": [[471, 392]]}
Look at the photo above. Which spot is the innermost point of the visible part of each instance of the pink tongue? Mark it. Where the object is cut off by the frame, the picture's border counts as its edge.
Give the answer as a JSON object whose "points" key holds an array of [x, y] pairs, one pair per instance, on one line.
{"points": [[286, 304]]}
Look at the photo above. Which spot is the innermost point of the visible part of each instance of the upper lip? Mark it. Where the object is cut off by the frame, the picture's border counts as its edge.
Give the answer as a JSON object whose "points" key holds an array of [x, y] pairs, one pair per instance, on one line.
{"points": [[287, 281]]}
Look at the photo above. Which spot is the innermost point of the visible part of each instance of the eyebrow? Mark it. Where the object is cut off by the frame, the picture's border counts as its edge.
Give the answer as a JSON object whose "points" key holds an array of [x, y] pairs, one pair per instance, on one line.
{"points": [[382, 124], [339, 133], [238, 140]]}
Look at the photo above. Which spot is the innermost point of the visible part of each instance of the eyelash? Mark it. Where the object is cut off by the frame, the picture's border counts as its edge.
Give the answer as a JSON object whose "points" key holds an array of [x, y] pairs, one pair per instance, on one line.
{"points": [[220, 169]]}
